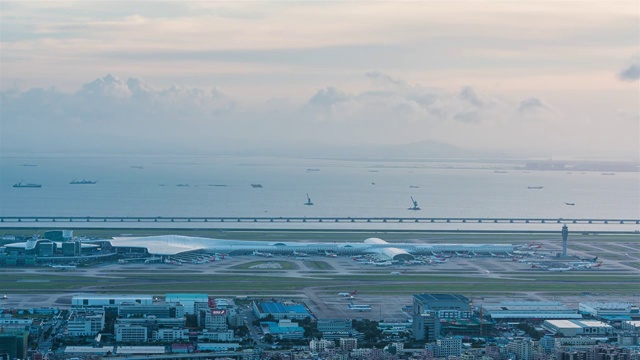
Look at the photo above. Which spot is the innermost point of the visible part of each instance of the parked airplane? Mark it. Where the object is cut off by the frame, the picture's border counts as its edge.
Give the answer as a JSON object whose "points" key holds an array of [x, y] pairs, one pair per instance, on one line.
{"points": [[300, 254], [351, 294], [533, 245], [560, 269], [330, 254], [384, 263], [4, 297], [257, 253], [596, 265], [399, 272], [63, 267], [591, 260]]}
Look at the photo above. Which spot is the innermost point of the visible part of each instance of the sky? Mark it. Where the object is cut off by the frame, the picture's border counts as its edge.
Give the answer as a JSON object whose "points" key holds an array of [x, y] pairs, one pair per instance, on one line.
{"points": [[531, 78]]}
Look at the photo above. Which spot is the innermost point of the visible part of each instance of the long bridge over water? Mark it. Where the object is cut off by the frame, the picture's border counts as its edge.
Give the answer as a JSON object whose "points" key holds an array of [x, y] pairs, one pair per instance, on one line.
{"points": [[299, 219]]}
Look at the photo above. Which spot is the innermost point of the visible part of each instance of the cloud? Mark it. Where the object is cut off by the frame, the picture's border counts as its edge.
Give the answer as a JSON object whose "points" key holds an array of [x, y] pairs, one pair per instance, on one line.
{"points": [[399, 102], [531, 105], [114, 99], [631, 73], [467, 93], [385, 79]]}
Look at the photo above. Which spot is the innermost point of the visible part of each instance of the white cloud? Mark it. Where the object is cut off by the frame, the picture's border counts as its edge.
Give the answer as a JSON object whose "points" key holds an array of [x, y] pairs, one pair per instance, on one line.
{"points": [[631, 73], [112, 112]]}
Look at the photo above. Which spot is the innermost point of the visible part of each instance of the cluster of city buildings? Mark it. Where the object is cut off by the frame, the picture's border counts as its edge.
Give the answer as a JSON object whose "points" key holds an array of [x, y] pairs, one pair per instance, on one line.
{"points": [[442, 326]]}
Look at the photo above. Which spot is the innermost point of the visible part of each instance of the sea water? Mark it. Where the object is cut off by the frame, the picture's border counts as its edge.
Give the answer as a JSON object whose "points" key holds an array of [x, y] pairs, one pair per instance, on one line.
{"points": [[148, 186]]}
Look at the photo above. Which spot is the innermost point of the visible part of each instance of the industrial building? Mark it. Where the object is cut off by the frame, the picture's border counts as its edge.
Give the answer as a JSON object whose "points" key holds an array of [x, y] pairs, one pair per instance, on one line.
{"points": [[161, 310], [523, 310], [279, 311], [570, 328], [109, 300], [609, 310]]}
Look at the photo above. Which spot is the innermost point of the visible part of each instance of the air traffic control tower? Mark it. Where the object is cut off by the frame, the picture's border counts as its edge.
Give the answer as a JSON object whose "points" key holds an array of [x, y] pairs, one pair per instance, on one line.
{"points": [[565, 235]]}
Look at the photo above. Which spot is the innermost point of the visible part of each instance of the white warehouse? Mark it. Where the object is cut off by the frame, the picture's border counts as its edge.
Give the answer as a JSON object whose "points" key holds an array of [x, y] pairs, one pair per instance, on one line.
{"points": [[570, 328], [107, 300]]}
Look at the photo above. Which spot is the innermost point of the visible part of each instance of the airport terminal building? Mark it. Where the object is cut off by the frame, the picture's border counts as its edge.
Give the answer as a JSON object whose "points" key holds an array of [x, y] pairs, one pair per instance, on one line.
{"points": [[170, 245]]}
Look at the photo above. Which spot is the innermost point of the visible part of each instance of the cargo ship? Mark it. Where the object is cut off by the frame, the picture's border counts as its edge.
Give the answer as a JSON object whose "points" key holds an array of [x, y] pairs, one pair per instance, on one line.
{"points": [[82, 182], [28, 185]]}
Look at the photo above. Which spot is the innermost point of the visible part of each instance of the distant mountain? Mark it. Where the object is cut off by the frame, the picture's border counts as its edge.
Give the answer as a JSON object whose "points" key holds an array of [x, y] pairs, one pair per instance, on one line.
{"points": [[417, 150]]}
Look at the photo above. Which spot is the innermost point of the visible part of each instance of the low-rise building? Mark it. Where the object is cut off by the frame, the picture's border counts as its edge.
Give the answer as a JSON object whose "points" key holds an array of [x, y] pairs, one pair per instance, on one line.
{"points": [[448, 347], [348, 344], [187, 300], [160, 310], [170, 335], [130, 333], [283, 329], [85, 323], [320, 346]]}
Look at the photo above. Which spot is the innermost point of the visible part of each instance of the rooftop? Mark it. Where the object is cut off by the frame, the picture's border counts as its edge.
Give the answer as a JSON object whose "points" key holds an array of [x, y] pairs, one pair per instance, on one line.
{"points": [[441, 297]]}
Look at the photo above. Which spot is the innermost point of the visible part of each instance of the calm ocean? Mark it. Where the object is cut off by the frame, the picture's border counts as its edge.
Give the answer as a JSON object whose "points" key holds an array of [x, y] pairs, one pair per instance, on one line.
{"points": [[337, 187]]}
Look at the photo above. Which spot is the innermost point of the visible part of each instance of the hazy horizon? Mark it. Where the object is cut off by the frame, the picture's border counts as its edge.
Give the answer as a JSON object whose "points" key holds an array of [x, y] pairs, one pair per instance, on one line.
{"points": [[526, 79]]}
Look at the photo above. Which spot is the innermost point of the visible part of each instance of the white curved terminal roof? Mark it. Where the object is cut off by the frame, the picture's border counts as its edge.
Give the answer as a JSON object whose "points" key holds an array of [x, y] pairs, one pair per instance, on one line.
{"points": [[175, 244], [375, 241], [397, 254]]}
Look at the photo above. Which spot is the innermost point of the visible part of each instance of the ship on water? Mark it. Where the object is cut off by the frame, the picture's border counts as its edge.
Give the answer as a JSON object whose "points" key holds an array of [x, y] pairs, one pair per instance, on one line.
{"points": [[415, 205], [82, 182], [256, 185], [309, 202], [535, 187], [20, 184]]}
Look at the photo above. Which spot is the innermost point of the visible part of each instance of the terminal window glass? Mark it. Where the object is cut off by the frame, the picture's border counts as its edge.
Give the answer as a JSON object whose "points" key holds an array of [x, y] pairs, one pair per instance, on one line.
{"points": [[85, 302]]}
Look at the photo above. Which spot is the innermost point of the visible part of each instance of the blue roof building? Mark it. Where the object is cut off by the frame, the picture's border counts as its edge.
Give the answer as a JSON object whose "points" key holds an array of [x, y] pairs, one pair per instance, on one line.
{"points": [[280, 311], [284, 329]]}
